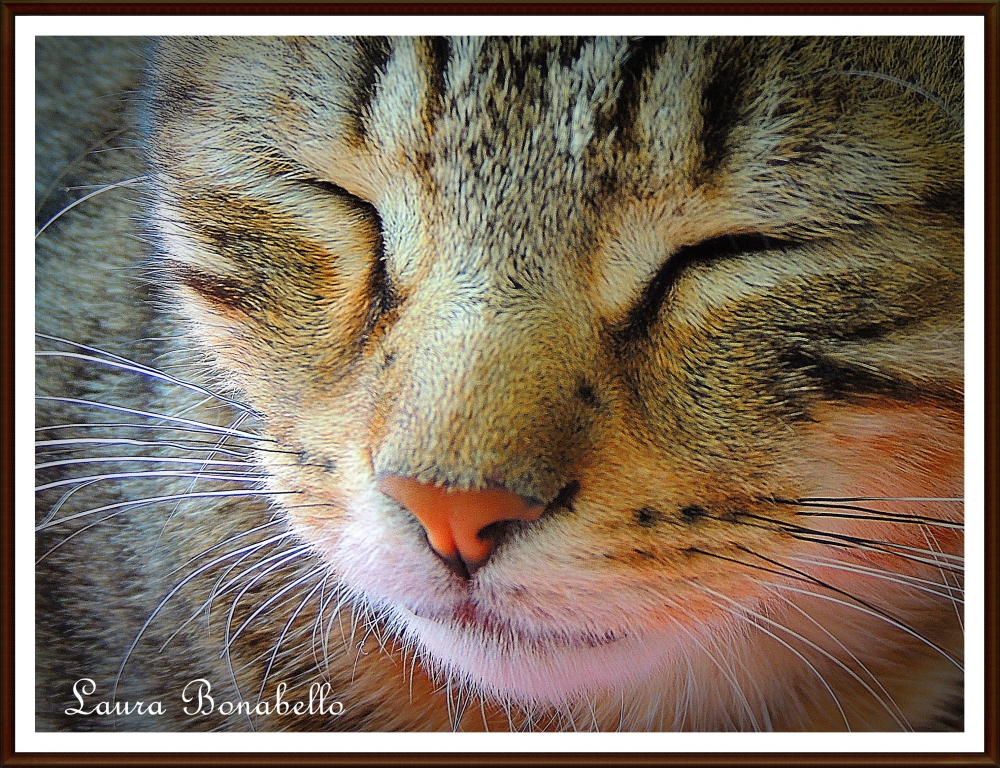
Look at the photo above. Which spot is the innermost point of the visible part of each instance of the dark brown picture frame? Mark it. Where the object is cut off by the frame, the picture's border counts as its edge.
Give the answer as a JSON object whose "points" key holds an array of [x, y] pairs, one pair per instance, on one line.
{"points": [[12, 9]]}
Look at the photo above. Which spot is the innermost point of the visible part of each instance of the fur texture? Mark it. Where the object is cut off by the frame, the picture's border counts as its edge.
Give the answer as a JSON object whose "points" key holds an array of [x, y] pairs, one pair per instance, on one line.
{"points": [[701, 298]]}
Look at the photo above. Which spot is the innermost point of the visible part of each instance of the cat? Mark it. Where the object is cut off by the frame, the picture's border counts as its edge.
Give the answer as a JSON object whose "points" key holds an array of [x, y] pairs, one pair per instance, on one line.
{"points": [[492, 383]]}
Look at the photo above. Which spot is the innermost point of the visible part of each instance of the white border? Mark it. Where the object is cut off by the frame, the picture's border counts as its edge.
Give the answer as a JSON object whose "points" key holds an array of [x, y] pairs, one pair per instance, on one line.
{"points": [[27, 27]]}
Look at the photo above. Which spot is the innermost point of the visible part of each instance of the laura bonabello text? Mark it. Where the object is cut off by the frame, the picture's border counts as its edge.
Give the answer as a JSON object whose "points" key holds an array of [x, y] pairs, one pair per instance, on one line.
{"points": [[197, 701]]}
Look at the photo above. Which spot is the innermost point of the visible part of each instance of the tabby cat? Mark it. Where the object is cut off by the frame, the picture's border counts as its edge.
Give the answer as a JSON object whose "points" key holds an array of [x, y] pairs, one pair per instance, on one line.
{"points": [[500, 383]]}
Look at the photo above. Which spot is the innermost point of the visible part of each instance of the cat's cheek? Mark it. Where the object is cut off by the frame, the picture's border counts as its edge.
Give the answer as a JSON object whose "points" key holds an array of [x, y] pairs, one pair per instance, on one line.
{"points": [[221, 334], [887, 460], [890, 451]]}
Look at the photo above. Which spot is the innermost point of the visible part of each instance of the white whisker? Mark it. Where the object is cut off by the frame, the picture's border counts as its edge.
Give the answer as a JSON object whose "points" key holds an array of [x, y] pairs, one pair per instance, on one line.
{"points": [[217, 590], [284, 631], [923, 585], [929, 537], [148, 459], [894, 712], [230, 478], [149, 415], [85, 198], [270, 541], [166, 599], [161, 499], [725, 669], [283, 558], [196, 427], [878, 615], [190, 447], [743, 613]]}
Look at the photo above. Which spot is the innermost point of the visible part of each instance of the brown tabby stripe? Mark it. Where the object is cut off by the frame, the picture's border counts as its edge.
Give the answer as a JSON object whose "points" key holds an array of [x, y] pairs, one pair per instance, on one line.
{"points": [[947, 200], [644, 55], [570, 49], [722, 100], [223, 292], [372, 56], [436, 55], [840, 381], [534, 58]]}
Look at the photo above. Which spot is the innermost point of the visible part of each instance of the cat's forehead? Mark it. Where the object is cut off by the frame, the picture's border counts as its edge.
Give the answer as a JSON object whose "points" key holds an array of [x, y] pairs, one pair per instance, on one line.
{"points": [[529, 149], [551, 151], [571, 113], [532, 120], [563, 112]]}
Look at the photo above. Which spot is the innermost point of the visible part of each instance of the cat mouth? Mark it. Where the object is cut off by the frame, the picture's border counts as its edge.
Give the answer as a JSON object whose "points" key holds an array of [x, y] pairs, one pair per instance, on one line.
{"points": [[471, 620], [524, 662]]}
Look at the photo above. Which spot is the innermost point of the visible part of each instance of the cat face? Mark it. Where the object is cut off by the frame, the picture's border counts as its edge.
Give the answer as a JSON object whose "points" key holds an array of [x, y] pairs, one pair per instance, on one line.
{"points": [[697, 301]]}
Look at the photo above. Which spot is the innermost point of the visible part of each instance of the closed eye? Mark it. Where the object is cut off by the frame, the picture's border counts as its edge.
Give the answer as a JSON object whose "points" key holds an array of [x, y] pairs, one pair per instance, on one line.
{"points": [[383, 296], [641, 317], [333, 189]]}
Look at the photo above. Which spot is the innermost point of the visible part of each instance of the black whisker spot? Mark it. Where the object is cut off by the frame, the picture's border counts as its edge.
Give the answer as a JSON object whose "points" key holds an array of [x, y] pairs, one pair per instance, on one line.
{"points": [[648, 517], [692, 512], [565, 497], [588, 394]]}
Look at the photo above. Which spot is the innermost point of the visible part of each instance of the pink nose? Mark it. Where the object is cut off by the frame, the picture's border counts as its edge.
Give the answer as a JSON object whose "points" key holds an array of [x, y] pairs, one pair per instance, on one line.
{"points": [[454, 519]]}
